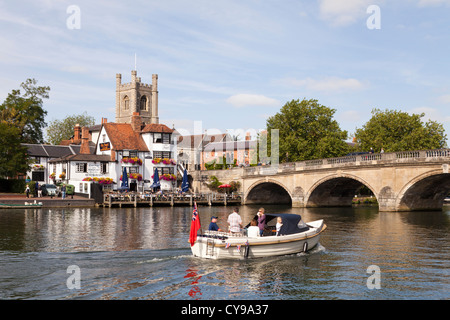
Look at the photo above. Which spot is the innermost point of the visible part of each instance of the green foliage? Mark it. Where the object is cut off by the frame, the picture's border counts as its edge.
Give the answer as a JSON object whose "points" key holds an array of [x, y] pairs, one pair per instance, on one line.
{"points": [[307, 131], [12, 185], [399, 131], [25, 112], [59, 130], [13, 156], [214, 183]]}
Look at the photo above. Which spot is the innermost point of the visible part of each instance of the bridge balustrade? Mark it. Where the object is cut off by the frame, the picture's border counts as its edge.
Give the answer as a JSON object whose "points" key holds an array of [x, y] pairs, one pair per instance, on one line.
{"points": [[356, 159]]}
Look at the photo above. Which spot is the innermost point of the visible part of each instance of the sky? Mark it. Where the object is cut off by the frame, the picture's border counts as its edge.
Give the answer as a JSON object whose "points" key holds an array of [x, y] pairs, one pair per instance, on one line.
{"points": [[228, 65]]}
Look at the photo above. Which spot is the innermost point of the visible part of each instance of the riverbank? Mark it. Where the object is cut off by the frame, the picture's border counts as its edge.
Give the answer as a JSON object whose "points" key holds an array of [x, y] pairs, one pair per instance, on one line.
{"points": [[47, 202]]}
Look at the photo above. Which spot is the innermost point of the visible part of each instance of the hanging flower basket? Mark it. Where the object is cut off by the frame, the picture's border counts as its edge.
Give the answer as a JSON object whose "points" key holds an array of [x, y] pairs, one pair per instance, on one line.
{"points": [[136, 176], [132, 161], [101, 180], [165, 161], [168, 177]]}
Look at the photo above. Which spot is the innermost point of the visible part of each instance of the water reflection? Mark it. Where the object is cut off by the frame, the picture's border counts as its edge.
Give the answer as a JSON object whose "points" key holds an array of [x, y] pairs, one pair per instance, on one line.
{"points": [[144, 253]]}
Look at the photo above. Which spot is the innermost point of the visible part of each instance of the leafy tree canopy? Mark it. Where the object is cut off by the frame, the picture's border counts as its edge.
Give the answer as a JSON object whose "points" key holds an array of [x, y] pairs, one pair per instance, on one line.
{"points": [[307, 131], [59, 130], [13, 157], [24, 111], [399, 131]]}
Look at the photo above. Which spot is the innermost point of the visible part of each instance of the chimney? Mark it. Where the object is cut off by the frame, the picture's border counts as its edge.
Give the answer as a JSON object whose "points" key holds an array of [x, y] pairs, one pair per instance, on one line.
{"points": [[136, 122], [84, 149], [104, 120], [248, 137], [76, 134]]}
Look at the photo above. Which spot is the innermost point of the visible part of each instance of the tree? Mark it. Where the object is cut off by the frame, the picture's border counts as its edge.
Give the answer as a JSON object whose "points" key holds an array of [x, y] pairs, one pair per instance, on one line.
{"points": [[307, 131], [25, 111], [13, 155], [399, 131], [59, 130]]}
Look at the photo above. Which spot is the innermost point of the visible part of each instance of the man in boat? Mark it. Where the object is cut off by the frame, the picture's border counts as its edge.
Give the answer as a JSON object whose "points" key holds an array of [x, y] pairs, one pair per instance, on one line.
{"points": [[213, 225], [235, 221]]}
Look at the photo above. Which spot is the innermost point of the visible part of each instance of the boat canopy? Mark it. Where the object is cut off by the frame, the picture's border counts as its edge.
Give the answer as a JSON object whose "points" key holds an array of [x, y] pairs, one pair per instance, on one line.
{"points": [[292, 223]]}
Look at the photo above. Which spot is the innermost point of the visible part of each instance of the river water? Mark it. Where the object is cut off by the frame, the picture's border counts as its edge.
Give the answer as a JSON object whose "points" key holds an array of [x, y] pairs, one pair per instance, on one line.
{"points": [[143, 253]]}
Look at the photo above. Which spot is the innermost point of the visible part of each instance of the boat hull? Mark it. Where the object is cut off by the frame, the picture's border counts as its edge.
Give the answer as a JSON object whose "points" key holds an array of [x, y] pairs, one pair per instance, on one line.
{"points": [[258, 247]]}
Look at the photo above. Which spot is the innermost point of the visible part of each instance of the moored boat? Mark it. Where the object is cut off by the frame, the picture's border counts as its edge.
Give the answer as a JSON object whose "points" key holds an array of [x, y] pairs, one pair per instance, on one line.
{"points": [[295, 236], [26, 205]]}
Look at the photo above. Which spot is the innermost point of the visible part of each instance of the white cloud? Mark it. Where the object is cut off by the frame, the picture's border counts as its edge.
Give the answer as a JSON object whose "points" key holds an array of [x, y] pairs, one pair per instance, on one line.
{"points": [[244, 100], [432, 114], [343, 12], [327, 84], [444, 98], [433, 3]]}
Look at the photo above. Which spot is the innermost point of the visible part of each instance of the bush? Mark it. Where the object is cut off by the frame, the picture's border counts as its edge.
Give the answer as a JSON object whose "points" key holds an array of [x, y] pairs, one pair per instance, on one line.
{"points": [[12, 185]]}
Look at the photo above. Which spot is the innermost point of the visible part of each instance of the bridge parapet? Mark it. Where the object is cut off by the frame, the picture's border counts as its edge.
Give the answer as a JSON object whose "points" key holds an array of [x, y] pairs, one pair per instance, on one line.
{"points": [[352, 160]]}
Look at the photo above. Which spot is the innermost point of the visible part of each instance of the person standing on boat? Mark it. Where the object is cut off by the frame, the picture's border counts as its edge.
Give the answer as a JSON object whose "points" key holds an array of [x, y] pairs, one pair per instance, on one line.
{"points": [[235, 221], [261, 221]]}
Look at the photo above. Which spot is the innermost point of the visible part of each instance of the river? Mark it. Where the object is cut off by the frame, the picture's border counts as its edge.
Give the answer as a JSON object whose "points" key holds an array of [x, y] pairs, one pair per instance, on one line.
{"points": [[143, 253]]}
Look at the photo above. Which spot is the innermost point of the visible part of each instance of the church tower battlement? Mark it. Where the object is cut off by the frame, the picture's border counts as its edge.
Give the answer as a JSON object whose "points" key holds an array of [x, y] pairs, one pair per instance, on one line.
{"points": [[136, 97]]}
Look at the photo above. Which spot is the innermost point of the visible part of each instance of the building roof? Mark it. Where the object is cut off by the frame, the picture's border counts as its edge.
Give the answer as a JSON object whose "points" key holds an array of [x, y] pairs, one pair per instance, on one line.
{"points": [[123, 137], [50, 151], [158, 128], [200, 140], [83, 157], [231, 145]]}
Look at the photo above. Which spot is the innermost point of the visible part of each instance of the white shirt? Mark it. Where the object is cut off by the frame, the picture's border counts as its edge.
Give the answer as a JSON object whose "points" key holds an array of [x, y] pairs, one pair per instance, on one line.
{"points": [[253, 231]]}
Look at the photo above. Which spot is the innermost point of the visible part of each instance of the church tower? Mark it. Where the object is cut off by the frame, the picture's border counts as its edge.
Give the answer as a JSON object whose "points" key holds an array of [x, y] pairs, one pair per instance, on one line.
{"points": [[136, 97]]}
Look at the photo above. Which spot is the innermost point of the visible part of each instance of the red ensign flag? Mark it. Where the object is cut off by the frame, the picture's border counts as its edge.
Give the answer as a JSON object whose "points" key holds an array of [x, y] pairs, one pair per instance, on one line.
{"points": [[195, 225]]}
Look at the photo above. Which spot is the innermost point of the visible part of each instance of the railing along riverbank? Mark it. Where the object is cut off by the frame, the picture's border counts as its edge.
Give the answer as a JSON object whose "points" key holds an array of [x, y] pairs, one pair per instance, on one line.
{"points": [[146, 199]]}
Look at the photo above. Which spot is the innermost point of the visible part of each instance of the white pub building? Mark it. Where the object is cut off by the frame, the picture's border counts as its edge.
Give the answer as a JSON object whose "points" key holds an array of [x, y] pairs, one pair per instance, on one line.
{"points": [[135, 143]]}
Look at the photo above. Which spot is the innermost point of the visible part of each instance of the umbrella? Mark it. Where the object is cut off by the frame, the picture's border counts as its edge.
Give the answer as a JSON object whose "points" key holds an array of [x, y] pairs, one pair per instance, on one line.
{"points": [[124, 184], [185, 183], [156, 183]]}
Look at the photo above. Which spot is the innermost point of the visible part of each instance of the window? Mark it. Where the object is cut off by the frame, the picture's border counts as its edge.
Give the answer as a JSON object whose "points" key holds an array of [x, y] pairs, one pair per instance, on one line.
{"points": [[37, 160], [143, 103], [167, 170], [166, 138], [126, 103], [162, 154], [157, 138], [81, 167], [133, 154], [104, 167]]}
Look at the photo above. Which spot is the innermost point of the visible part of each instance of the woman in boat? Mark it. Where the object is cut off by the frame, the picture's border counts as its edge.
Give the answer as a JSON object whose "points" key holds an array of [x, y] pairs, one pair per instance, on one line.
{"points": [[253, 230], [261, 221]]}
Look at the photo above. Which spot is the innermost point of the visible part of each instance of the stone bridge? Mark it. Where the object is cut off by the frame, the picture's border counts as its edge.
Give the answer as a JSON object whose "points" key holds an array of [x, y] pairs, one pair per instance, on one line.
{"points": [[401, 181]]}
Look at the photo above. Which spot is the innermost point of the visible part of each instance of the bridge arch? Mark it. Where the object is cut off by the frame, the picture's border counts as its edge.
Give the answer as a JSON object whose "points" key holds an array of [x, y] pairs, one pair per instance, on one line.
{"points": [[424, 192], [336, 190], [268, 191]]}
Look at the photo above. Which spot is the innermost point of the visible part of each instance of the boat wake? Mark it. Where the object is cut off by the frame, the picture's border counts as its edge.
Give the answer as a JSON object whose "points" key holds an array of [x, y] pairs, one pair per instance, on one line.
{"points": [[316, 250]]}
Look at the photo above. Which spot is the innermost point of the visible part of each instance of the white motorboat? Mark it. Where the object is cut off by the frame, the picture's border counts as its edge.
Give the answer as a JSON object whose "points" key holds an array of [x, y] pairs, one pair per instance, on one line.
{"points": [[295, 236]]}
